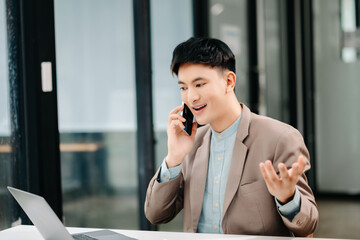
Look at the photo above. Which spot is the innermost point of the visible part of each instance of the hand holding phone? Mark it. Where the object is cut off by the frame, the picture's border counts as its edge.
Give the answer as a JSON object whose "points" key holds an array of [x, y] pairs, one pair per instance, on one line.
{"points": [[187, 114], [180, 142]]}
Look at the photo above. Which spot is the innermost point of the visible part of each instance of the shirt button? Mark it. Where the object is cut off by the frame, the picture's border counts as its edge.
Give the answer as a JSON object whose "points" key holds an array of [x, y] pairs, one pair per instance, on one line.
{"points": [[219, 136], [299, 223], [166, 177], [219, 158], [217, 182], [216, 204], [215, 227]]}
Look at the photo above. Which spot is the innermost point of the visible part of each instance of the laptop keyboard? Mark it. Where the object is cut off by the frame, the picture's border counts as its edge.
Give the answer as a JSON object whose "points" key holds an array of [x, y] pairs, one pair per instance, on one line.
{"points": [[82, 237]]}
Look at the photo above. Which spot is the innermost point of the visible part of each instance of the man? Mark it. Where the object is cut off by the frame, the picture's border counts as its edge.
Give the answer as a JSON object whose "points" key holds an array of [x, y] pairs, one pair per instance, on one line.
{"points": [[240, 173]]}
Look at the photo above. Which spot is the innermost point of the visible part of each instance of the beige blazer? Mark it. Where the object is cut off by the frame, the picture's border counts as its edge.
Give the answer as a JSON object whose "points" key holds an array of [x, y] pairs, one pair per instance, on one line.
{"points": [[248, 206]]}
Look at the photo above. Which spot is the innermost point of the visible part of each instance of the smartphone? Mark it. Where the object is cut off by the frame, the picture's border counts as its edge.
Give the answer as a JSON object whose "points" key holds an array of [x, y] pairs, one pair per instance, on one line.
{"points": [[187, 114]]}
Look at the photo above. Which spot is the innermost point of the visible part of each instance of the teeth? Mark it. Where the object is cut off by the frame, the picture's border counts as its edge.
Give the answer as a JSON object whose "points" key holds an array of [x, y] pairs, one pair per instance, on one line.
{"points": [[200, 107]]}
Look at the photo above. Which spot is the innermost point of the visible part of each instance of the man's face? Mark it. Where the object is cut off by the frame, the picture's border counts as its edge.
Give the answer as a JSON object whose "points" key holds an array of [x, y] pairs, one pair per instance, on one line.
{"points": [[203, 90]]}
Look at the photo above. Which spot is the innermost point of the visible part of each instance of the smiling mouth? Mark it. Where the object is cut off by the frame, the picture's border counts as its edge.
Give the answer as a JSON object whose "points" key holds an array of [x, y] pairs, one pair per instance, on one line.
{"points": [[200, 107]]}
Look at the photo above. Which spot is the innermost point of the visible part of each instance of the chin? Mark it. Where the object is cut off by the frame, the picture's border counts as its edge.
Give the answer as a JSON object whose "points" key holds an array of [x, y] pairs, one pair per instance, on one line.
{"points": [[202, 121]]}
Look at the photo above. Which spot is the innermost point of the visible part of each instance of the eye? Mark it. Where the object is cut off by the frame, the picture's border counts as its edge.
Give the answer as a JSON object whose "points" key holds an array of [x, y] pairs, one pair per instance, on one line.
{"points": [[200, 84], [183, 88]]}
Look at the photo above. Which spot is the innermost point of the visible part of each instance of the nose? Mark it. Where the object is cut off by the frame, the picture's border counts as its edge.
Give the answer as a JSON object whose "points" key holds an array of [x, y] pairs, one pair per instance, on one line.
{"points": [[192, 95]]}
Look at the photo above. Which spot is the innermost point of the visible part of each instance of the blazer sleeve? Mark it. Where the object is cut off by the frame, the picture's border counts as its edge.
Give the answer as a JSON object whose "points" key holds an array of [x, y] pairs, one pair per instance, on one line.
{"points": [[164, 200], [289, 147]]}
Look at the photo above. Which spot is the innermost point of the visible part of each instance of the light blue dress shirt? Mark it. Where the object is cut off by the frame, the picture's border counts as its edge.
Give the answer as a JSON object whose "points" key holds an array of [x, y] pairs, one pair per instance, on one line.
{"points": [[221, 149]]}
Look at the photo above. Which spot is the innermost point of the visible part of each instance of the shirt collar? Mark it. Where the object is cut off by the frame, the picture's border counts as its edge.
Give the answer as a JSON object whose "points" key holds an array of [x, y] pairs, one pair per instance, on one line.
{"points": [[227, 132]]}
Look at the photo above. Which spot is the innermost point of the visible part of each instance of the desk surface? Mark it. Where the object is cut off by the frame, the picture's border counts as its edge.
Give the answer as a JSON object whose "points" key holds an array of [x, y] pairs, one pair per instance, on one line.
{"points": [[23, 232]]}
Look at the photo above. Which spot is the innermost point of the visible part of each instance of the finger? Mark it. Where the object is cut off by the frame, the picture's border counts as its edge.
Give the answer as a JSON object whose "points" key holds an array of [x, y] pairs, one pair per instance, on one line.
{"points": [[176, 124], [177, 109], [176, 116], [271, 171], [295, 170], [265, 174], [179, 124], [284, 174], [302, 164]]}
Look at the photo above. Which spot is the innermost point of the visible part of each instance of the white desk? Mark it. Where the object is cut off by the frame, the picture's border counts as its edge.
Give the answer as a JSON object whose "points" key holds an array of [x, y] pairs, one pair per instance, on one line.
{"points": [[23, 232]]}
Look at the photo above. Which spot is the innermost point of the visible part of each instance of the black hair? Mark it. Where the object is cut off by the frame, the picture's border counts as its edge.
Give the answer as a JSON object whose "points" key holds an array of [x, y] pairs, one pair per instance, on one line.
{"points": [[208, 51]]}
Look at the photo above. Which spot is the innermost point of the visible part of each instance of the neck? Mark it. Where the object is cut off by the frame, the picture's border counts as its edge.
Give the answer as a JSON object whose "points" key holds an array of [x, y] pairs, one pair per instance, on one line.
{"points": [[230, 114]]}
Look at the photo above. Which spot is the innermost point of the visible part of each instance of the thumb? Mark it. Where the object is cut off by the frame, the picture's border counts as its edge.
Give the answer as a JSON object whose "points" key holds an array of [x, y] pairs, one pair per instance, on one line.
{"points": [[194, 129]]}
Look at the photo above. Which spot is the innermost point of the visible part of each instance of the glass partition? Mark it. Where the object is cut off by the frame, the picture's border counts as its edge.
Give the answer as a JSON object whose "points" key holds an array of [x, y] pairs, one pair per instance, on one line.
{"points": [[275, 60], [6, 164], [228, 22], [171, 24], [337, 95], [97, 112], [337, 129]]}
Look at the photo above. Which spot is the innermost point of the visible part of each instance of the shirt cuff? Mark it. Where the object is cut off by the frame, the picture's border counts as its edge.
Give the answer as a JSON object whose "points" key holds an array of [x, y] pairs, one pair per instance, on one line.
{"points": [[290, 209], [167, 174]]}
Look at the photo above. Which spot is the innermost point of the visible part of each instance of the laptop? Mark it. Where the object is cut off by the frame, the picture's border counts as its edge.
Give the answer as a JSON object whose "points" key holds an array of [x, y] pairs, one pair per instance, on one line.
{"points": [[49, 225]]}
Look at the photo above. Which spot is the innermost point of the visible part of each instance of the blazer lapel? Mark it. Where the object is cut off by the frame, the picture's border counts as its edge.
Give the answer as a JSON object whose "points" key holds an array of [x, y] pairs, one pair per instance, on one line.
{"points": [[198, 179], [237, 160]]}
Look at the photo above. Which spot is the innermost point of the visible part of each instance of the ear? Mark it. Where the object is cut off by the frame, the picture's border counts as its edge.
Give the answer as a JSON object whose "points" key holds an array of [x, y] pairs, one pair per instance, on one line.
{"points": [[230, 78]]}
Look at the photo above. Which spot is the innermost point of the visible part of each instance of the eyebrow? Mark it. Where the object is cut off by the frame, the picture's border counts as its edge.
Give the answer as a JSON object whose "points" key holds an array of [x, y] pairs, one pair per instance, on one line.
{"points": [[193, 81]]}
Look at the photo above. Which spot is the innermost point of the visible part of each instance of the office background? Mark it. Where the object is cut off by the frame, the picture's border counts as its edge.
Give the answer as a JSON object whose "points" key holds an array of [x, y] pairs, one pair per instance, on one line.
{"points": [[90, 145]]}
